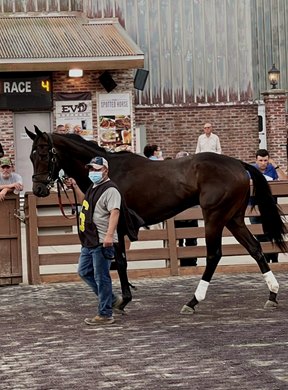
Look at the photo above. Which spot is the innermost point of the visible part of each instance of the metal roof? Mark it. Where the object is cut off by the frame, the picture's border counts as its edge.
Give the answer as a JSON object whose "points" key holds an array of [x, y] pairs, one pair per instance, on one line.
{"points": [[60, 42]]}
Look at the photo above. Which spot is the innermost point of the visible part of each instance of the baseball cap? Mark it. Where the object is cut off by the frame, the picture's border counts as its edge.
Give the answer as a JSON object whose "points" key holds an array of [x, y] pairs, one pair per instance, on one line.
{"points": [[5, 161], [98, 163]]}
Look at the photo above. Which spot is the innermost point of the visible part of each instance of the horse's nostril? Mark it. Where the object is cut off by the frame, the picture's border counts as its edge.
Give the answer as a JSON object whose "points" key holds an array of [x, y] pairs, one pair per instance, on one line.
{"points": [[40, 191]]}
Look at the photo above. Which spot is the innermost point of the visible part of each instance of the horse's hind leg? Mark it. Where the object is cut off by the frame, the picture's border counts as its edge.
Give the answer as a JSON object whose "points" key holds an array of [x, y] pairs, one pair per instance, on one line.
{"points": [[121, 264], [246, 238], [213, 233]]}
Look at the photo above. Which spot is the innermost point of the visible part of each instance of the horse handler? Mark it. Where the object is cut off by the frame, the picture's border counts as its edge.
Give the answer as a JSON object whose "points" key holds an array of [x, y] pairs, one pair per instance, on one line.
{"points": [[98, 232]]}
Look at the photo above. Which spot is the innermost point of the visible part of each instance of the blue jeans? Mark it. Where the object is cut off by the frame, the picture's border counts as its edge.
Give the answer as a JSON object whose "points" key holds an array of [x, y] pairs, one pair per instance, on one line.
{"points": [[94, 266]]}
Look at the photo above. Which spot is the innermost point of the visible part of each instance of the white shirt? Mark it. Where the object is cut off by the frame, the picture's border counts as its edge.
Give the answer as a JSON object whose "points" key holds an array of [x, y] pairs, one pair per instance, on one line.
{"points": [[208, 144]]}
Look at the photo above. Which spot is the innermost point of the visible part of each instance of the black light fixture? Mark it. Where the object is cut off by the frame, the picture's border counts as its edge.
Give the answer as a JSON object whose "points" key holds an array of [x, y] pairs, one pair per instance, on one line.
{"points": [[107, 81], [274, 76]]}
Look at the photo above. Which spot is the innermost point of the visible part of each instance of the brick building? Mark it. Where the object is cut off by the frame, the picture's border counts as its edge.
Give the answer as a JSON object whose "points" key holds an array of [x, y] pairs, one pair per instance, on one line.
{"points": [[208, 61], [36, 89]]}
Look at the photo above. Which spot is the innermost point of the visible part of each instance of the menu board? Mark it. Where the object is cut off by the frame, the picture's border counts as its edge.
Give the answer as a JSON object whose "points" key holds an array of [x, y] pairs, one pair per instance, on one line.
{"points": [[114, 121]]}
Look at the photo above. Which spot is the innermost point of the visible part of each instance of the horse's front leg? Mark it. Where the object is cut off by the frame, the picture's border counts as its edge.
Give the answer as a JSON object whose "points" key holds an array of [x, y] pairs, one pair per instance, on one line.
{"points": [[214, 255], [121, 265]]}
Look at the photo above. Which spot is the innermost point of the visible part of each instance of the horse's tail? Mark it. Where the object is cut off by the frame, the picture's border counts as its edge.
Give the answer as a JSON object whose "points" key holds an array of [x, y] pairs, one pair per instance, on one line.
{"points": [[271, 214]]}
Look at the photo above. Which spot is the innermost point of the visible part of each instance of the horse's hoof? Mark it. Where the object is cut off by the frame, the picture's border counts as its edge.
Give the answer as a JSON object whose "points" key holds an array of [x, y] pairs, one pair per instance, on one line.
{"points": [[271, 305], [120, 311], [187, 310]]}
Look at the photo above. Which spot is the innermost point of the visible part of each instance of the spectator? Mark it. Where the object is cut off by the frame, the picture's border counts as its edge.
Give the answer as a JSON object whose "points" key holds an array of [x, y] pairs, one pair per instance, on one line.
{"points": [[77, 129], [68, 128], [153, 152], [208, 142], [9, 181], [182, 154], [268, 167], [190, 261], [271, 171], [60, 129]]}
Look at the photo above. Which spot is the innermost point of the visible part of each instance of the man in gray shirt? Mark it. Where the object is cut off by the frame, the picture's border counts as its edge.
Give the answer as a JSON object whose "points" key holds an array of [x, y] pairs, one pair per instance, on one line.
{"points": [[98, 222], [9, 180]]}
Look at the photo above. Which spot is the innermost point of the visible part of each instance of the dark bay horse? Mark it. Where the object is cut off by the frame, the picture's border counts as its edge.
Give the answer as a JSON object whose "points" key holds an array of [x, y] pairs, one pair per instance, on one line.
{"points": [[158, 190]]}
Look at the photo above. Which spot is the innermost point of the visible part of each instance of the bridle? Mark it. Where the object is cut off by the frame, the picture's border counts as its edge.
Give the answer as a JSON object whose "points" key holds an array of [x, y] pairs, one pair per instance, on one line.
{"points": [[52, 173], [52, 176]]}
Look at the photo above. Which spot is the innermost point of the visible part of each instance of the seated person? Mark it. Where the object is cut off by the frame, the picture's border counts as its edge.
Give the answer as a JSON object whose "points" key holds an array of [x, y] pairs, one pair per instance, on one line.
{"points": [[271, 171], [9, 180], [153, 152]]}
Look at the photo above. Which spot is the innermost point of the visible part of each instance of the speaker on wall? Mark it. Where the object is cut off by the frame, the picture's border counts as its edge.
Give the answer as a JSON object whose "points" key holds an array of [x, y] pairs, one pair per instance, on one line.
{"points": [[107, 82], [140, 79]]}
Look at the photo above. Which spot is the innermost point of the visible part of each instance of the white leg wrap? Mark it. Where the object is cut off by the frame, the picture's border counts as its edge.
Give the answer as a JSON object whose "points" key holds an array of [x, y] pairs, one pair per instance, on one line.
{"points": [[271, 282], [201, 290]]}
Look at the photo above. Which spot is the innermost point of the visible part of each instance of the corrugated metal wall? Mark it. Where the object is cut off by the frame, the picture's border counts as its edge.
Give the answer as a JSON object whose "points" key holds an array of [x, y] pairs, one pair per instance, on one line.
{"points": [[197, 51], [269, 41], [201, 51], [40, 5]]}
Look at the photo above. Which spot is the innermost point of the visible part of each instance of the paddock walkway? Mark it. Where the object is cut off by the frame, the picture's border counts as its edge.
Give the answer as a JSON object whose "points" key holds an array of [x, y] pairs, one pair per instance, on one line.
{"points": [[231, 343]]}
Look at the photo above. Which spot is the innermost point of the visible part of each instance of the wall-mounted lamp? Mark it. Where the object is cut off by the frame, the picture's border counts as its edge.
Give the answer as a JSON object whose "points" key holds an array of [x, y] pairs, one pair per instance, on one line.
{"points": [[75, 72], [274, 76]]}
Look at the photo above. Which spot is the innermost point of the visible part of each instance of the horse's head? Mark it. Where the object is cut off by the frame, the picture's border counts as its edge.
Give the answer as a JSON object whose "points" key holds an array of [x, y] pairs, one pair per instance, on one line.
{"points": [[44, 160]]}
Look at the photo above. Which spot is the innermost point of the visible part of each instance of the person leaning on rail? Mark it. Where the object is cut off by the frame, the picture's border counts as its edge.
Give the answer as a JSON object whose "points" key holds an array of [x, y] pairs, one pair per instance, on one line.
{"points": [[9, 180]]}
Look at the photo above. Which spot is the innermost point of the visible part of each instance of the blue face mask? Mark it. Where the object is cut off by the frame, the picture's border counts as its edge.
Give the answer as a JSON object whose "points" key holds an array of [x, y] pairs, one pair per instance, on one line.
{"points": [[95, 177]]}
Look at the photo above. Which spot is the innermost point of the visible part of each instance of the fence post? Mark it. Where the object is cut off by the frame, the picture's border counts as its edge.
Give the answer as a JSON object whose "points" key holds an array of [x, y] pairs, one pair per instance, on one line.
{"points": [[33, 266], [172, 247]]}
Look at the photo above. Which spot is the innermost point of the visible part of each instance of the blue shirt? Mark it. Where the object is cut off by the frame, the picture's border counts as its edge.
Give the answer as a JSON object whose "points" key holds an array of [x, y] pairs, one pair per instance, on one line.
{"points": [[270, 172]]}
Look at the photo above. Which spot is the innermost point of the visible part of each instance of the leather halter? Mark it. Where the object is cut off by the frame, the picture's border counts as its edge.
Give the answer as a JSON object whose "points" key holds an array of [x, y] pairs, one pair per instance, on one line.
{"points": [[52, 173]]}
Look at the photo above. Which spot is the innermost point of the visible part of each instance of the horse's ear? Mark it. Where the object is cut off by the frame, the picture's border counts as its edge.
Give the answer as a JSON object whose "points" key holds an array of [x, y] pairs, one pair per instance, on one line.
{"points": [[30, 134], [38, 132]]}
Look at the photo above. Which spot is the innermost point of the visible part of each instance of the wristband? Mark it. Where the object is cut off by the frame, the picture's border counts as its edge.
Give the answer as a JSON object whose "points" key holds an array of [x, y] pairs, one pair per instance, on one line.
{"points": [[277, 167]]}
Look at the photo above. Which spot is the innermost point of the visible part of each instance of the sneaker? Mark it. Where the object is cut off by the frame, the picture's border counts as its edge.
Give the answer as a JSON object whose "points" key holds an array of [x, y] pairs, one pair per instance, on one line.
{"points": [[99, 320], [118, 302]]}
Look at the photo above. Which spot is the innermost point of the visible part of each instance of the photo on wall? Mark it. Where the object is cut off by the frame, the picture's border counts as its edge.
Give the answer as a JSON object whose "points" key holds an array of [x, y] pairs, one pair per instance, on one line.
{"points": [[74, 112]]}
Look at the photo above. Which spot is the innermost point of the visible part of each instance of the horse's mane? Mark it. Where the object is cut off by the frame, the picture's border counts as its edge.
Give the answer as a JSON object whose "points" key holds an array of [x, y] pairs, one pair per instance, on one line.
{"points": [[81, 140], [94, 145]]}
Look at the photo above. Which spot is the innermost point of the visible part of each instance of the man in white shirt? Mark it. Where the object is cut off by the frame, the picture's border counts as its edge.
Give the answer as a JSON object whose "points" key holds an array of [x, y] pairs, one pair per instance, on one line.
{"points": [[208, 142]]}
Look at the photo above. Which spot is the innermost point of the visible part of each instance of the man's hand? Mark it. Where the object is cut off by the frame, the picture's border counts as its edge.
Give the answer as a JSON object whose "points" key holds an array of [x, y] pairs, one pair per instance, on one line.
{"points": [[3, 194], [70, 182], [108, 240], [271, 161], [18, 186]]}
